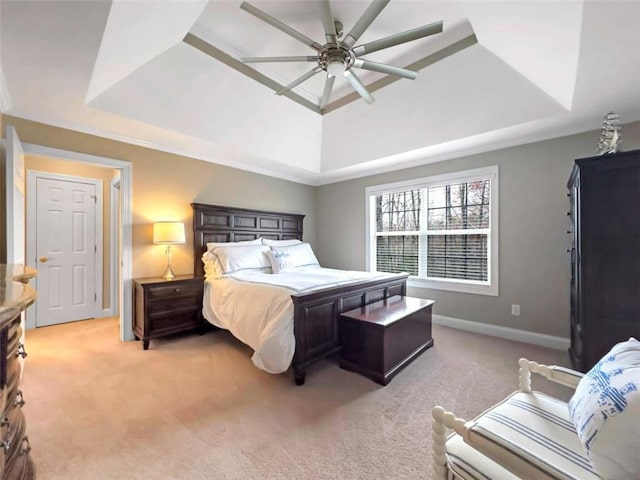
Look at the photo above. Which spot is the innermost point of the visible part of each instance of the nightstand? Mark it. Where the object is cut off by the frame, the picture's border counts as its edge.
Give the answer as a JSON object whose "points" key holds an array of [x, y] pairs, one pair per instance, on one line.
{"points": [[164, 307]]}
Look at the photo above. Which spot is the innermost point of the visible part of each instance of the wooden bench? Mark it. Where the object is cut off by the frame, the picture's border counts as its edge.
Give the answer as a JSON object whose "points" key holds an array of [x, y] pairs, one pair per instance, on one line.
{"points": [[380, 339]]}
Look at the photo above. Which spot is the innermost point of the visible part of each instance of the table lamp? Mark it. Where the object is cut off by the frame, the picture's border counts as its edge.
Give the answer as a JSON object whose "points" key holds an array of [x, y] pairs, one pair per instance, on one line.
{"points": [[168, 233]]}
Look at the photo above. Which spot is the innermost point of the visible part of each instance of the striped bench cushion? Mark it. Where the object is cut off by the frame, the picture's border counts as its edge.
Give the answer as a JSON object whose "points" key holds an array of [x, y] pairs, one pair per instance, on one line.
{"points": [[466, 463], [532, 434]]}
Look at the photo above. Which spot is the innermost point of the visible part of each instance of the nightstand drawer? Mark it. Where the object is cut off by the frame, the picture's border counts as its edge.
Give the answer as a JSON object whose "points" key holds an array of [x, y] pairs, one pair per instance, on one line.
{"points": [[174, 290], [169, 306], [174, 323]]}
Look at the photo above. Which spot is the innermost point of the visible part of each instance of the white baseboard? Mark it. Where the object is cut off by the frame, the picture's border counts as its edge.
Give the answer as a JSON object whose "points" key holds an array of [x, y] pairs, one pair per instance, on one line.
{"points": [[549, 341]]}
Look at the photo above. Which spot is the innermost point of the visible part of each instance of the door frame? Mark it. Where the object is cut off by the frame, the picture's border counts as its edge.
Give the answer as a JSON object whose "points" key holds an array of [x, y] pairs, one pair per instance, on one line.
{"points": [[13, 181], [126, 193], [114, 237], [31, 237]]}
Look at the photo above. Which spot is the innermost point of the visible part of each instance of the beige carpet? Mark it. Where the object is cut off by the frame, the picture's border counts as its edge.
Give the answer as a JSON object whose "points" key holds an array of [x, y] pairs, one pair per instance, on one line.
{"points": [[195, 407]]}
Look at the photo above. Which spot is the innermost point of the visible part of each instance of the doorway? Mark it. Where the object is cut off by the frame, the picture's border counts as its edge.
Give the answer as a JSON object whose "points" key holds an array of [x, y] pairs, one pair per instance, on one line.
{"points": [[124, 290]]}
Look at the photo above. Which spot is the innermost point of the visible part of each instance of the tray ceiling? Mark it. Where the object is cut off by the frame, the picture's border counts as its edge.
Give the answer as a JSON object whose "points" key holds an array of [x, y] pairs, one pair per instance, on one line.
{"points": [[127, 70]]}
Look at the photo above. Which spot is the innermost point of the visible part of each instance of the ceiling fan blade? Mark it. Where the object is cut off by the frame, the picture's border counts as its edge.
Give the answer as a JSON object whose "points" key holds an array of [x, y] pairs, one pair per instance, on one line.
{"points": [[327, 22], [278, 59], [279, 25], [367, 18], [358, 86], [398, 38], [303, 78], [326, 94], [384, 68]]}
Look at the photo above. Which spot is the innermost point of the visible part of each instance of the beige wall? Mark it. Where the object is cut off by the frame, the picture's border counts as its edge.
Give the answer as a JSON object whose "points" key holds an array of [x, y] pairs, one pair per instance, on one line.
{"points": [[164, 185], [534, 268], [43, 164]]}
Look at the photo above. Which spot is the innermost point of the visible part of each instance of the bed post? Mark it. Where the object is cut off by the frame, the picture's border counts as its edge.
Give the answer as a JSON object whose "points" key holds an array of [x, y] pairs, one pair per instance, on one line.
{"points": [[299, 375]]}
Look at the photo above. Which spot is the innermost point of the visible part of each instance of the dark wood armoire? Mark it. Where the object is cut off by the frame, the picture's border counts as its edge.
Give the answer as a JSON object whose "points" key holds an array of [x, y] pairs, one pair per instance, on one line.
{"points": [[604, 192]]}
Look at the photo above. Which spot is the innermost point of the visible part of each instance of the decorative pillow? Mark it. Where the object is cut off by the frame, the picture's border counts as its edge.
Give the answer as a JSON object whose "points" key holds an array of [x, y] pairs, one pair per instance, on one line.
{"points": [[211, 265], [301, 255], [280, 262], [280, 243], [233, 259], [212, 245], [605, 411]]}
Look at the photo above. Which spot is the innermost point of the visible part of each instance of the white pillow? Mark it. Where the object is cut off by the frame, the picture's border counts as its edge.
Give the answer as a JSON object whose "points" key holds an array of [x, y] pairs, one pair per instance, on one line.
{"points": [[280, 262], [212, 245], [605, 411], [280, 243], [236, 258], [301, 255]]}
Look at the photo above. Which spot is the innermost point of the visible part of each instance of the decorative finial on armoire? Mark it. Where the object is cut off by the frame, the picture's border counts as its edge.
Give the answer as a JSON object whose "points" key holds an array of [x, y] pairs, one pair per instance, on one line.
{"points": [[611, 134]]}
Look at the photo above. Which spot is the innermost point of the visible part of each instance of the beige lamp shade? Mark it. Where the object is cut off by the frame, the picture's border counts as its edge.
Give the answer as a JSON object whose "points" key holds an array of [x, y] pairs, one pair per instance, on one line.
{"points": [[168, 232]]}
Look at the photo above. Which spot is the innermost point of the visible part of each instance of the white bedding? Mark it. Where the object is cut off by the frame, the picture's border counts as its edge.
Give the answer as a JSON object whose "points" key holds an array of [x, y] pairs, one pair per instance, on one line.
{"points": [[257, 308]]}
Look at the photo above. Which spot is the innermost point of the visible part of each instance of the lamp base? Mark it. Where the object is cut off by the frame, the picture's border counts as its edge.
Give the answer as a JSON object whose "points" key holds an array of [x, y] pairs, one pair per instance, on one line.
{"points": [[168, 273]]}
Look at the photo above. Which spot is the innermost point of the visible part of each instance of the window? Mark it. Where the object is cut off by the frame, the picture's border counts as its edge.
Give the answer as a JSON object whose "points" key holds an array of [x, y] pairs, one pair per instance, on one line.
{"points": [[438, 229]]}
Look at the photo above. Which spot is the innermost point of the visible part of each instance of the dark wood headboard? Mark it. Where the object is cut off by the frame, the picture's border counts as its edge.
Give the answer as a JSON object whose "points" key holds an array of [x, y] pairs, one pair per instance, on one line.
{"points": [[215, 223]]}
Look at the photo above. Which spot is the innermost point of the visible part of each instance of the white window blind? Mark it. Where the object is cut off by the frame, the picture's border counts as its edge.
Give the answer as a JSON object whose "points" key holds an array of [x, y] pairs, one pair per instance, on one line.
{"points": [[438, 230], [458, 230], [397, 231]]}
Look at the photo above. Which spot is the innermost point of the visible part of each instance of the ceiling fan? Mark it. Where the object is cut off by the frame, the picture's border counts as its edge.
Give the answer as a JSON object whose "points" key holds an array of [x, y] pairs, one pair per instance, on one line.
{"points": [[340, 56]]}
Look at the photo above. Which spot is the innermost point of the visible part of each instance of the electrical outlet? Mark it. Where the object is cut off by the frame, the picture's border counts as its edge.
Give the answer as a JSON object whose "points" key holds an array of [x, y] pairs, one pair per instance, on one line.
{"points": [[515, 310]]}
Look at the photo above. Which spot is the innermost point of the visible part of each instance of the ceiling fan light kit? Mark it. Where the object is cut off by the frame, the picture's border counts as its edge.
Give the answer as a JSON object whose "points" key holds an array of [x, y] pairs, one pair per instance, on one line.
{"points": [[335, 68], [339, 57]]}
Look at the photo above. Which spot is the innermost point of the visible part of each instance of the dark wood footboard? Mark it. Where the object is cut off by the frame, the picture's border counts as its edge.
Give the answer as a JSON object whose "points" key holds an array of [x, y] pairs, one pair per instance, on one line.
{"points": [[316, 317]]}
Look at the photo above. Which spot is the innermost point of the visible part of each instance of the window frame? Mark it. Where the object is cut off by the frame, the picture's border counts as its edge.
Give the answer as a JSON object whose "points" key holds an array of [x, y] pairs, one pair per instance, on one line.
{"points": [[455, 285]]}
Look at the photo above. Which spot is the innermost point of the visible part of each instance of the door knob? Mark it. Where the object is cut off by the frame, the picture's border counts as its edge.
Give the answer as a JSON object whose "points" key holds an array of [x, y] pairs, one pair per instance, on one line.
{"points": [[43, 259]]}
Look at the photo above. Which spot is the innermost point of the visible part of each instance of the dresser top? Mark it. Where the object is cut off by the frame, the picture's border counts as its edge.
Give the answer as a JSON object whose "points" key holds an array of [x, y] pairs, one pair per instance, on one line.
{"points": [[15, 294], [19, 273], [160, 280]]}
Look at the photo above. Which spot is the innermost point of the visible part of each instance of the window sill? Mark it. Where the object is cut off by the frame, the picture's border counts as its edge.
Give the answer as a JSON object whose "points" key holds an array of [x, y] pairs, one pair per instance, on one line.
{"points": [[491, 290]]}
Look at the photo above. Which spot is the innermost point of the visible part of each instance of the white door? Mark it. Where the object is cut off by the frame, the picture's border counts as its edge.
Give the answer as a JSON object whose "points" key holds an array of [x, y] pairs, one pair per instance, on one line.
{"points": [[66, 250]]}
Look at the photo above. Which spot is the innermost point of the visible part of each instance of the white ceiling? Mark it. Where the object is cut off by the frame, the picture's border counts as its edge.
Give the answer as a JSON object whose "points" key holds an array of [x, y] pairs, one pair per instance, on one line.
{"points": [[120, 69]]}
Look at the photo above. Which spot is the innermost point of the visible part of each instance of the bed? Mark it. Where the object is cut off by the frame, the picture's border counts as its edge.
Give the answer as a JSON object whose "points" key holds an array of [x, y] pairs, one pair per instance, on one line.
{"points": [[315, 312]]}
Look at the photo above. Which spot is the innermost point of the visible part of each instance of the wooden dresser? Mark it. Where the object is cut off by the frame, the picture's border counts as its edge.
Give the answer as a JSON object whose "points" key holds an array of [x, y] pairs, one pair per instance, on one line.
{"points": [[604, 193], [15, 297]]}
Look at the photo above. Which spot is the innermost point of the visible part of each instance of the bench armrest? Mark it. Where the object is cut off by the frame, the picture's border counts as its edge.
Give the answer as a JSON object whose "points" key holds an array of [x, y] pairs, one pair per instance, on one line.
{"points": [[443, 420], [563, 376]]}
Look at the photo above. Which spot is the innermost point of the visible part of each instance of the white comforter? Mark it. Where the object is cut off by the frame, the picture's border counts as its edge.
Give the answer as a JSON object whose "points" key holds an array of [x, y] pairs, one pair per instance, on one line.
{"points": [[257, 308]]}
